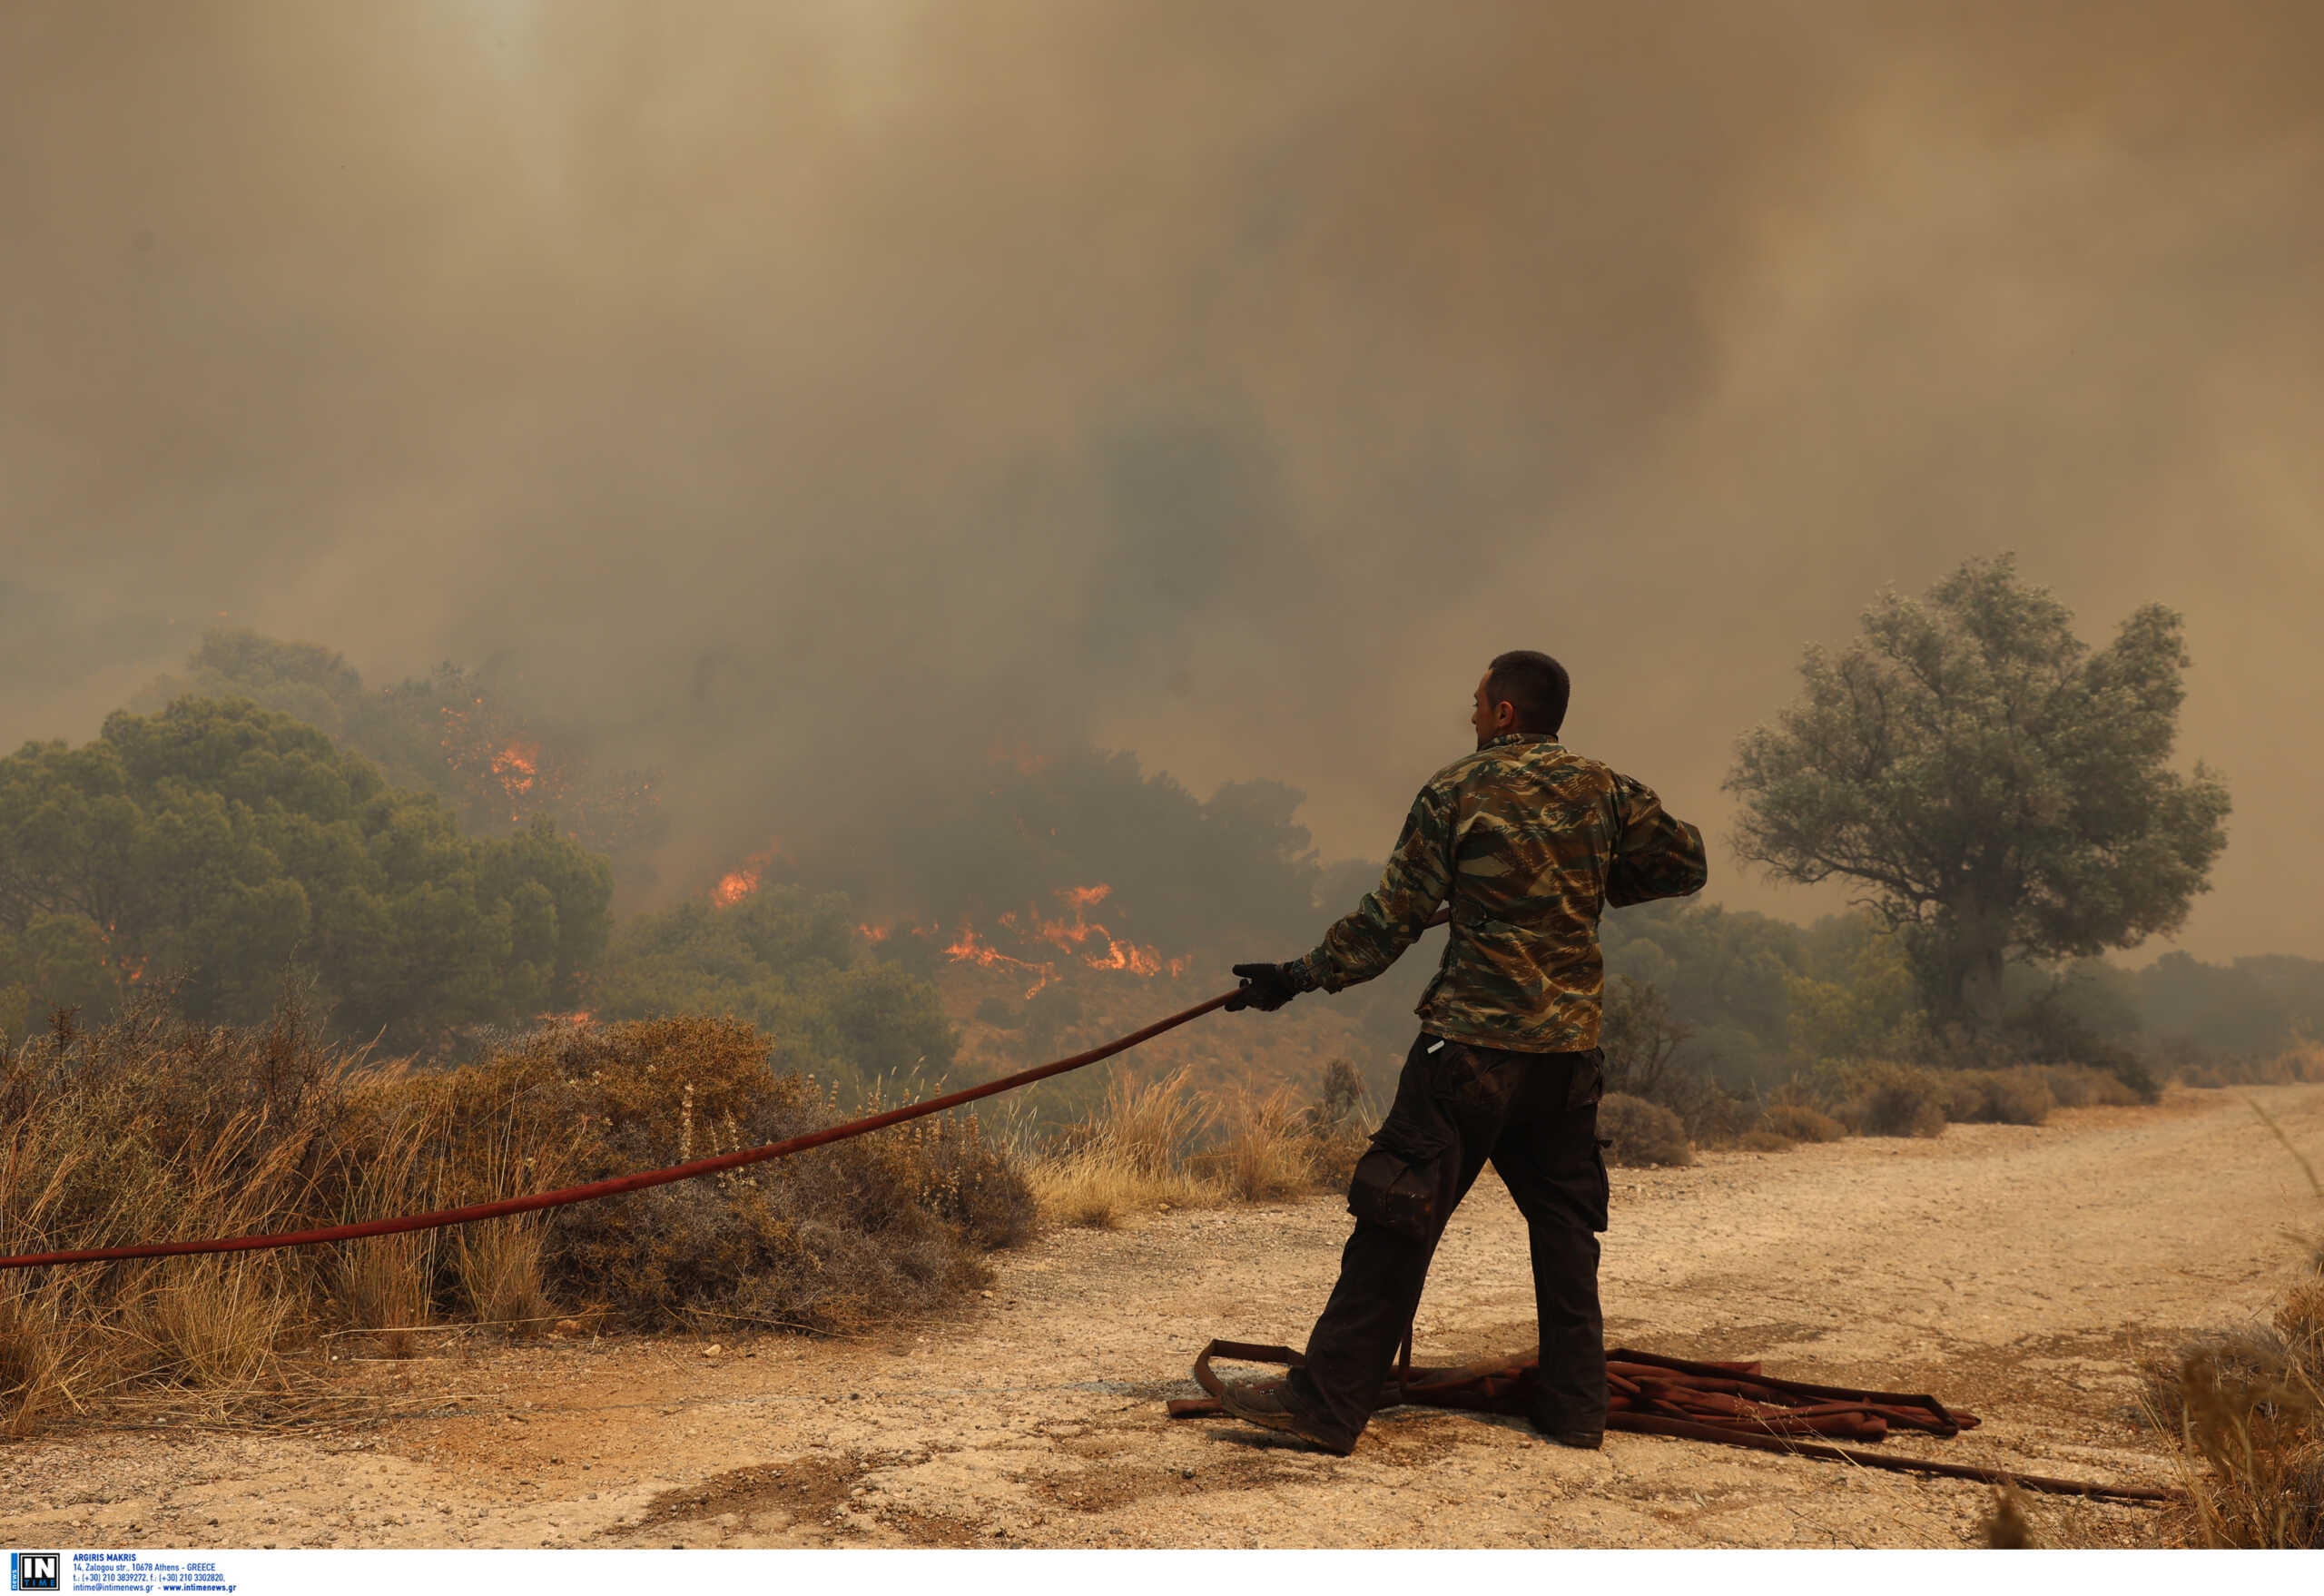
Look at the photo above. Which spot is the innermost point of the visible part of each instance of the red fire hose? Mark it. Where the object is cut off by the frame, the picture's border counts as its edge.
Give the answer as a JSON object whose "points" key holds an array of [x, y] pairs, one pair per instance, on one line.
{"points": [[619, 1184], [1481, 1388]]}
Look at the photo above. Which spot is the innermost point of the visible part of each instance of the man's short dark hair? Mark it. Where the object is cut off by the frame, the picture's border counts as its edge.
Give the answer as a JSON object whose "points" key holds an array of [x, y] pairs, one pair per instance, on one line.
{"points": [[1532, 683]]}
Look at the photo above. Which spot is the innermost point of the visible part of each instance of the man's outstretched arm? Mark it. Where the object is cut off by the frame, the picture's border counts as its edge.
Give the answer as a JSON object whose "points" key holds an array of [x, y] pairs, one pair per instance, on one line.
{"points": [[1389, 920]]}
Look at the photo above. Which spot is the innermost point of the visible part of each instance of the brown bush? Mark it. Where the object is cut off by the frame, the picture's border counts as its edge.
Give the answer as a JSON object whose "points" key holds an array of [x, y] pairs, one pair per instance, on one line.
{"points": [[2079, 1085], [1799, 1122], [1894, 1099], [856, 1232], [1998, 1096], [1645, 1135], [1764, 1141], [150, 1129]]}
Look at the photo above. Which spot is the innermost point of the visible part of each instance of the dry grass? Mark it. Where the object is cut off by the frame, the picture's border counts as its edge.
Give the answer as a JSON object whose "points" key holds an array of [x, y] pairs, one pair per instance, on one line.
{"points": [[1151, 1144], [2248, 1408], [1131, 1153], [152, 1129], [2006, 1527], [1266, 1154]]}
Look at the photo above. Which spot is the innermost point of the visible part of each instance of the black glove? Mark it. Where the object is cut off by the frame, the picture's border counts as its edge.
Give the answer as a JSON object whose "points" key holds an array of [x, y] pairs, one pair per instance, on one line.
{"points": [[1268, 987]]}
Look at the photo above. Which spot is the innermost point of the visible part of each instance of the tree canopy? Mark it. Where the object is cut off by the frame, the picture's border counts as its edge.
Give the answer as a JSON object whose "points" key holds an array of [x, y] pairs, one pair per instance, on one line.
{"points": [[788, 962], [1996, 787], [217, 844], [495, 768]]}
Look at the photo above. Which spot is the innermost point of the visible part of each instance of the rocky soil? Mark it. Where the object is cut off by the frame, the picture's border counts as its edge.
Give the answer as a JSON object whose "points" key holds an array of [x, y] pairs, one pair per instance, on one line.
{"points": [[2021, 1273]]}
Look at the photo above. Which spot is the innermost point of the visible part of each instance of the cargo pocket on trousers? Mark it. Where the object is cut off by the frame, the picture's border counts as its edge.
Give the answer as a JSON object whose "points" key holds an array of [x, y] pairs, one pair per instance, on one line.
{"points": [[1600, 1198], [1398, 1181]]}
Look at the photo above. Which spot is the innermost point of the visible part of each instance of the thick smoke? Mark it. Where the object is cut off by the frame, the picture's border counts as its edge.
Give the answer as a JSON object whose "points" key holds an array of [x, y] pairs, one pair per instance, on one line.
{"points": [[813, 402]]}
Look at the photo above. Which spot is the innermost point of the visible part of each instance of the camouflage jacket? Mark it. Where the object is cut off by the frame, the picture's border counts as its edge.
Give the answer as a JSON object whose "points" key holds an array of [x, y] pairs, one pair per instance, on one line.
{"points": [[1530, 842]]}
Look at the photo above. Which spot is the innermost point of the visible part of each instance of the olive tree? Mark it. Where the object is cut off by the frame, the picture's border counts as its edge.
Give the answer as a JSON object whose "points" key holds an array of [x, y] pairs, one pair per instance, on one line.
{"points": [[1996, 786]]}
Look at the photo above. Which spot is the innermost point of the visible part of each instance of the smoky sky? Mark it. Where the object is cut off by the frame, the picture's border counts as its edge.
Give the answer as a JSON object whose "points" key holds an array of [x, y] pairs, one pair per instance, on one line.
{"points": [[813, 400]]}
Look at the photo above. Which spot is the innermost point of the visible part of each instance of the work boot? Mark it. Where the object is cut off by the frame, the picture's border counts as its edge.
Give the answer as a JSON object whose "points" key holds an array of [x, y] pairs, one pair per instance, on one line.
{"points": [[1267, 1404], [1580, 1440], [1583, 1434]]}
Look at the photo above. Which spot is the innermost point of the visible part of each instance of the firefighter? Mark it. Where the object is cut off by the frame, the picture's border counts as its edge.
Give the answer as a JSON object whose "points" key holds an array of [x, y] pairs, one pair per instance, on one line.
{"points": [[1529, 843]]}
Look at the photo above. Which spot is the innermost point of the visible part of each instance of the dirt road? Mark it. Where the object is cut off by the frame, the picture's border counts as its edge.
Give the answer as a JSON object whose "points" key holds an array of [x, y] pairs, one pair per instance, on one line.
{"points": [[2018, 1272]]}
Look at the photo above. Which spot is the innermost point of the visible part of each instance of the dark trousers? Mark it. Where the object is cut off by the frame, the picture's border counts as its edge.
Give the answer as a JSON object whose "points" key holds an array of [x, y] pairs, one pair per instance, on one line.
{"points": [[1535, 1115]]}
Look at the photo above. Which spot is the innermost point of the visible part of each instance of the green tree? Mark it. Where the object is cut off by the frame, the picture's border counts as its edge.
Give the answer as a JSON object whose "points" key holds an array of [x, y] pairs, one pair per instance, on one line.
{"points": [[1995, 785], [787, 961], [216, 844], [449, 733]]}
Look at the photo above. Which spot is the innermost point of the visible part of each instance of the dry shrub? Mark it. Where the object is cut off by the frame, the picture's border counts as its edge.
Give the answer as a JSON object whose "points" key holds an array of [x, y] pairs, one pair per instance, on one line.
{"points": [[858, 1232], [1998, 1096], [1645, 1135], [1799, 1122], [1764, 1141], [2079, 1085], [32, 1346], [150, 1129], [2254, 1442], [1894, 1099]]}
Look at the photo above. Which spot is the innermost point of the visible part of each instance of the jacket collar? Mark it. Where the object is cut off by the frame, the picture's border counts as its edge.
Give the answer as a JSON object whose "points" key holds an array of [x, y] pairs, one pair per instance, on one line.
{"points": [[1509, 738]]}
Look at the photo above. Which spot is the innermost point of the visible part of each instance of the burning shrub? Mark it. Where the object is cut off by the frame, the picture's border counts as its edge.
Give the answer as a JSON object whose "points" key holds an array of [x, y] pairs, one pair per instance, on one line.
{"points": [[1644, 1133]]}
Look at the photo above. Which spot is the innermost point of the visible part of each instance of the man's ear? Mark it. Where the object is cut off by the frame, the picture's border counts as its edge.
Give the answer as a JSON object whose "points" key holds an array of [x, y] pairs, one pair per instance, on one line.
{"points": [[1504, 716]]}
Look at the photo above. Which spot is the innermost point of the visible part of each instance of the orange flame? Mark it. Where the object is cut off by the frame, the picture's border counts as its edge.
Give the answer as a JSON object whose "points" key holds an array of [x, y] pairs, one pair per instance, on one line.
{"points": [[968, 946], [873, 933], [517, 765], [741, 882], [1071, 936]]}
